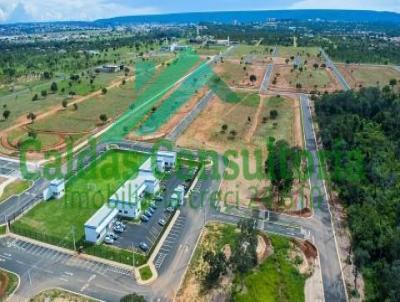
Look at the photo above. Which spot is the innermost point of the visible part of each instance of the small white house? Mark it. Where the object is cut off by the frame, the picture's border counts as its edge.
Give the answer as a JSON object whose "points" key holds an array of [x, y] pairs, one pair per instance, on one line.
{"points": [[97, 226], [166, 160], [178, 196], [55, 190]]}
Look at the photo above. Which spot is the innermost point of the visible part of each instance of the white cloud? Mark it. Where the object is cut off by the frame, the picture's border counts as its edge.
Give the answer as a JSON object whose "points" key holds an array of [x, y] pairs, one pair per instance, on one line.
{"points": [[388, 5], [48, 10]]}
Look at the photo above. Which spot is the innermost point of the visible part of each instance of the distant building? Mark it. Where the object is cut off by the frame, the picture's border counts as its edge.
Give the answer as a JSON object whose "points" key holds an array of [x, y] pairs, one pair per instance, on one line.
{"points": [[97, 226], [174, 47], [55, 190], [109, 68]]}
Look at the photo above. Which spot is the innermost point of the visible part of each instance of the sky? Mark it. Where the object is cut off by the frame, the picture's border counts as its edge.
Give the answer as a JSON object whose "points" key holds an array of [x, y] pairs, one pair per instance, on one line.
{"points": [[51, 10]]}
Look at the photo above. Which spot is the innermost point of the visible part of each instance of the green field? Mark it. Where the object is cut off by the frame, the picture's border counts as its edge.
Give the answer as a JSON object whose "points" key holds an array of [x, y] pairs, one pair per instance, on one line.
{"points": [[244, 50], [277, 279], [85, 194], [145, 273]]}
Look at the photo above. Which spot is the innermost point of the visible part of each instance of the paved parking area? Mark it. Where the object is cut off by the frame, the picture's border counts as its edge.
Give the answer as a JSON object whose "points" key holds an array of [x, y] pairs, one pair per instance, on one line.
{"points": [[169, 245], [58, 257], [9, 168], [148, 232]]}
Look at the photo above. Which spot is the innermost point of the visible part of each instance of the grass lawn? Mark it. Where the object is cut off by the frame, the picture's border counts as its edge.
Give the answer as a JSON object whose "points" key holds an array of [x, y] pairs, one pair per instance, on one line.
{"points": [[279, 128], [210, 50], [277, 279], [310, 79], [14, 188], [86, 192], [12, 282], [145, 273]]}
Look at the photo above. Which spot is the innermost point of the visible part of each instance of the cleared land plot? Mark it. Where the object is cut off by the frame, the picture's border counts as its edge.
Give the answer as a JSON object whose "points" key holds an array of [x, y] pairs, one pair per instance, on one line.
{"points": [[276, 278], [258, 52], [86, 192], [236, 73], [285, 78], [288, 51], [363, 75], [209, 50]]}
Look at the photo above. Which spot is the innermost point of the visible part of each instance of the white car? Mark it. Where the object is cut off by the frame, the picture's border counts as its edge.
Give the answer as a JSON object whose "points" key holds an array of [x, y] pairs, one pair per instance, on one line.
{"points": [[108, 240]]}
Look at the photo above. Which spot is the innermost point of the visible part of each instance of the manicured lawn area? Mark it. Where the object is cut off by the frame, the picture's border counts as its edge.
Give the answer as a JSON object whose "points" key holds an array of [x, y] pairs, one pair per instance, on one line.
{"points": [[145, 273], [14, 188], [86, 192], [10, 281], [277, 279]]}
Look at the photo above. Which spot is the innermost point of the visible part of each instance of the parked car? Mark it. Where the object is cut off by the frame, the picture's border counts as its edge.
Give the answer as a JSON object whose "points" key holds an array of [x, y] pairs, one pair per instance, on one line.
{"points": [[153, 205], [158, 198], [108, 240], [170, 210], [118, 229], [148, 214], [162, 222], [112, 235], [144, 246], [151, 210], [121, 224], [144, 218]]}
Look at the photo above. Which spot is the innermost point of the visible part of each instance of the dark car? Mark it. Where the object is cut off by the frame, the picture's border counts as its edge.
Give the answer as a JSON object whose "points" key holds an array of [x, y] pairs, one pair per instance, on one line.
{"points": [[144, 246], [144, 218]]}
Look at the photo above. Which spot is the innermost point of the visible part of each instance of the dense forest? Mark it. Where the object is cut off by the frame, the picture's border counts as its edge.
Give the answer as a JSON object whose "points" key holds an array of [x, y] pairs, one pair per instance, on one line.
{"points": [[368, 122]]}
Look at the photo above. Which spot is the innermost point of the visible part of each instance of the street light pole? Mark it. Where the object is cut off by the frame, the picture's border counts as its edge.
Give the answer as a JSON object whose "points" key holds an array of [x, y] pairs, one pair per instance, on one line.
{"points": [[73, 237]]}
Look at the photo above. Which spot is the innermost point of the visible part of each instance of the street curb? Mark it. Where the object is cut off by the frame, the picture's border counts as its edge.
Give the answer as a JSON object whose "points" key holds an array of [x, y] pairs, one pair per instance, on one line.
{"points": [[70, 252], [150, 261], [17, 287]]}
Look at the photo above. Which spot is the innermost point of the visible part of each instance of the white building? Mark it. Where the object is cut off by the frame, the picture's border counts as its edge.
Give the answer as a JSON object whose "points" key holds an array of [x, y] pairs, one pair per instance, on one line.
{"points": [[177, 198], [127, 199], [166, 160], [97, 226], [55, 190]]}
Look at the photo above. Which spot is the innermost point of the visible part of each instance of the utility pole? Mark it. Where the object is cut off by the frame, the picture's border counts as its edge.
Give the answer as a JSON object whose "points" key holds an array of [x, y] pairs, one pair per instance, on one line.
{"points": [[73, 237], [133, 256]]}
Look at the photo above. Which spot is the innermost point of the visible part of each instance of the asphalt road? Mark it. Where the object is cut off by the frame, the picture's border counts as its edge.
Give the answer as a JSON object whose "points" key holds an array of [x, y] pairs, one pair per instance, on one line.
{"points": [[337, 73]]}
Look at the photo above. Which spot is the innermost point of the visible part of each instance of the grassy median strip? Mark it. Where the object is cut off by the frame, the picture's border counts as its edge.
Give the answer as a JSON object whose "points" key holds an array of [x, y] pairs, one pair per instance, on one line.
{"points": [[14, 188], [8, 283], [145, 273]]}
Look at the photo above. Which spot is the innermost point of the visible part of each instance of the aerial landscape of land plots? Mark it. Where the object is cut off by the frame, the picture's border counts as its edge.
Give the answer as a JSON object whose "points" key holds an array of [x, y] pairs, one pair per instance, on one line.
{"points": [[363, 75], [302, 69], [241, 119]]}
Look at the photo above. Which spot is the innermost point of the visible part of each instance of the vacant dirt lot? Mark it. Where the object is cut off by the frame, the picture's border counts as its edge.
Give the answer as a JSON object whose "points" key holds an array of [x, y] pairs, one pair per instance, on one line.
{"points": [[238, 75], [253, 126], [363, 75], [286, 79]]}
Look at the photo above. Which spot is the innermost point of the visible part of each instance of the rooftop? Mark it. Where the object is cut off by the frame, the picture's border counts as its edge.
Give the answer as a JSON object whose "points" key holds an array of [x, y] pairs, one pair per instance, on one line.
{"points": [[103, 216]]}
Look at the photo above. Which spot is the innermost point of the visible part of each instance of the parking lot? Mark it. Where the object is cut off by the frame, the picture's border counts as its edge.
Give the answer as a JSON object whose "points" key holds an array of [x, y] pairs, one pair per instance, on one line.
{"points": [[8, 168], [169, 246], [148, 232]]}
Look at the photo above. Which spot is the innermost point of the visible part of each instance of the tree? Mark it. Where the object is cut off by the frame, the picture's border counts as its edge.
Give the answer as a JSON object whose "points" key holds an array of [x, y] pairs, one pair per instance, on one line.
{"points": [[224, 127], [104, 90], [35, 97], [253, 79], [217, 266], [133, 298], [64, 103], [75, 105], [43, 93], [32, 134], [53, 87], [6, 114], [273, 114], [103, 117], [315, 65], [31, 116], [393, 82]]}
